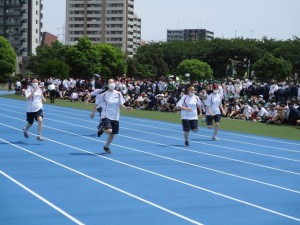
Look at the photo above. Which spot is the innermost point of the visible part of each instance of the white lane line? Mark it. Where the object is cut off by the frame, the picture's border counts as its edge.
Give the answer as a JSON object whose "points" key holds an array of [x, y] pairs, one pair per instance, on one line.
{"points": [[168, 158], [40, 197], [222, 131], [106, 184], [184, 149], [192, 134], [157, 174], [170, 124], [218, 146], [171, 159], [213, 145]]}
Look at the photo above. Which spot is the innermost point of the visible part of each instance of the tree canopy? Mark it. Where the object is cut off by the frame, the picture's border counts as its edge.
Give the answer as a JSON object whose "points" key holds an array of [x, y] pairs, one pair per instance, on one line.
{"points": [[222, 57], [163, 58], [7, 59], [81, 60], [195, 68], [270, 67]]}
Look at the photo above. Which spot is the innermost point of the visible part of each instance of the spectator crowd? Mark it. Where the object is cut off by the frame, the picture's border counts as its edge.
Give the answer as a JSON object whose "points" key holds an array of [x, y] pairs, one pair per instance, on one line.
{"points": [[266, 102]]}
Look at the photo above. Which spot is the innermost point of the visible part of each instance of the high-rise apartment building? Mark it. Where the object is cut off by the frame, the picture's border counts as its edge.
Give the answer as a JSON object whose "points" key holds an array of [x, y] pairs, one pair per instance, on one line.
{"points": [[20, 23], [189, 35], [104, 21]]}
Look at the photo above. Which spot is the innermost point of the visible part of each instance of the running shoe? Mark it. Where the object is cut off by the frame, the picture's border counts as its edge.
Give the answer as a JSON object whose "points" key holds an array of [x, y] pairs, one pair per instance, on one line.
{"points": [[39, 138], [214, 138], [25, 133], [107, 150], [186, 143]]}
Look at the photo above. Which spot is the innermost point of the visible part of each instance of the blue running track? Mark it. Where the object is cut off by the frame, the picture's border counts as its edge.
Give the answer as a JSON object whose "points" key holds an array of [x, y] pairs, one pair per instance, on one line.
{"points": [[149, 179]]}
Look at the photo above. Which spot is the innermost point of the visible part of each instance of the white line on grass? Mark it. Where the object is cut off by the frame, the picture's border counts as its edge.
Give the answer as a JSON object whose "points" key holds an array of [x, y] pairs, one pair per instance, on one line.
{"points": [[39, 196]]}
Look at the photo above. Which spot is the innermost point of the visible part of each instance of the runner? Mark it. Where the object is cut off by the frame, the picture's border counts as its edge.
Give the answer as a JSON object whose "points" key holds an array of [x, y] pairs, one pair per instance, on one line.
{"points": [[213, 105], [110, 102], [188, 105], [34, 96]]}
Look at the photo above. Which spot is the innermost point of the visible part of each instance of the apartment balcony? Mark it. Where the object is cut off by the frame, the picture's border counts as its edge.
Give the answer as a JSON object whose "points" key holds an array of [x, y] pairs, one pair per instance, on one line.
{"points": [[12, 5], [14, 23]]}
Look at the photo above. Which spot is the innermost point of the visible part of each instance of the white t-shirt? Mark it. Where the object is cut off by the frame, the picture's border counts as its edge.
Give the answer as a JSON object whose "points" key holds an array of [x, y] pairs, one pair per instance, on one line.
{"points": [[189, 102], [74, 96], [34, 103], [262, 112], [272, 90], [248, 111], [110, 103], [272, 113], [51, 87], [213, 102]]}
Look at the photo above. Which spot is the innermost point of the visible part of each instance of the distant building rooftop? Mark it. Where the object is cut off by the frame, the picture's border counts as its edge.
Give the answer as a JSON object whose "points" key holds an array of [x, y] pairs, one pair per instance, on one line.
{"points": [[48, 39]]}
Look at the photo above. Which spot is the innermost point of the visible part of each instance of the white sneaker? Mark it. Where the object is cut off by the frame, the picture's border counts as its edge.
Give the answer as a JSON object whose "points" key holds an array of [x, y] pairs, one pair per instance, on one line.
{"points": [[39, 138], [215, 139]]}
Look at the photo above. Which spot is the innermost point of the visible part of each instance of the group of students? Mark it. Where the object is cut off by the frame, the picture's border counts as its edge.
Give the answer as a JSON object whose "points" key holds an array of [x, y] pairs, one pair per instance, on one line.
{"points": [[191, 104], [108, 104]]}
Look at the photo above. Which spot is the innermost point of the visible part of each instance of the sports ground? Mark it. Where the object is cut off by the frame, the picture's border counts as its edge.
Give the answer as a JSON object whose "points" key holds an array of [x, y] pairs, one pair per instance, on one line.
{"points": [[150, 177]]}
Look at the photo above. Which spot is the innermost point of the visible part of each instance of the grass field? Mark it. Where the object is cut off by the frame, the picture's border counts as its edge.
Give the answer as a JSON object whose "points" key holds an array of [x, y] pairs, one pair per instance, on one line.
{"points": [[286, 132]]}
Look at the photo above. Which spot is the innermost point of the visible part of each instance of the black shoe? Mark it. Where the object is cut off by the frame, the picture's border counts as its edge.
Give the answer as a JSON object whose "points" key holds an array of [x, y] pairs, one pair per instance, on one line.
{"points": [[186, 143], [107, 150], [100, 132], [25, 133]]}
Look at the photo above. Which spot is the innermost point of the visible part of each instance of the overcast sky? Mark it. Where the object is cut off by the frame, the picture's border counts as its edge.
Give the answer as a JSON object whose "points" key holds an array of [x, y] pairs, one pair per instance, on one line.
{"points": [[279, 19]]}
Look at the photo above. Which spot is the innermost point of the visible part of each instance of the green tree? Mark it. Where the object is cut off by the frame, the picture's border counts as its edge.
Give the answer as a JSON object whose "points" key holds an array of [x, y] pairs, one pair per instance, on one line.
{"points": [[47, 56], [198, 70], [7, 59], [53, 68], [270, 67], [150, 60], [290, 50], [112, 60], [83, 58]]}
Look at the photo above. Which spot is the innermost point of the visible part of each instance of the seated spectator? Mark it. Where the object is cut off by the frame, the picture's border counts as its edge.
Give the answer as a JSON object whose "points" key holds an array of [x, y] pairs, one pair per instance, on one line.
{"points": [[262, 113], [171, 103], [18, 87], [233, 108], [66, 94], [145, 103], [272, 112], [294, 114], [152, 101], [246, 112], [74, 96], [137, 103], [280, 118], [128, 100]]}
